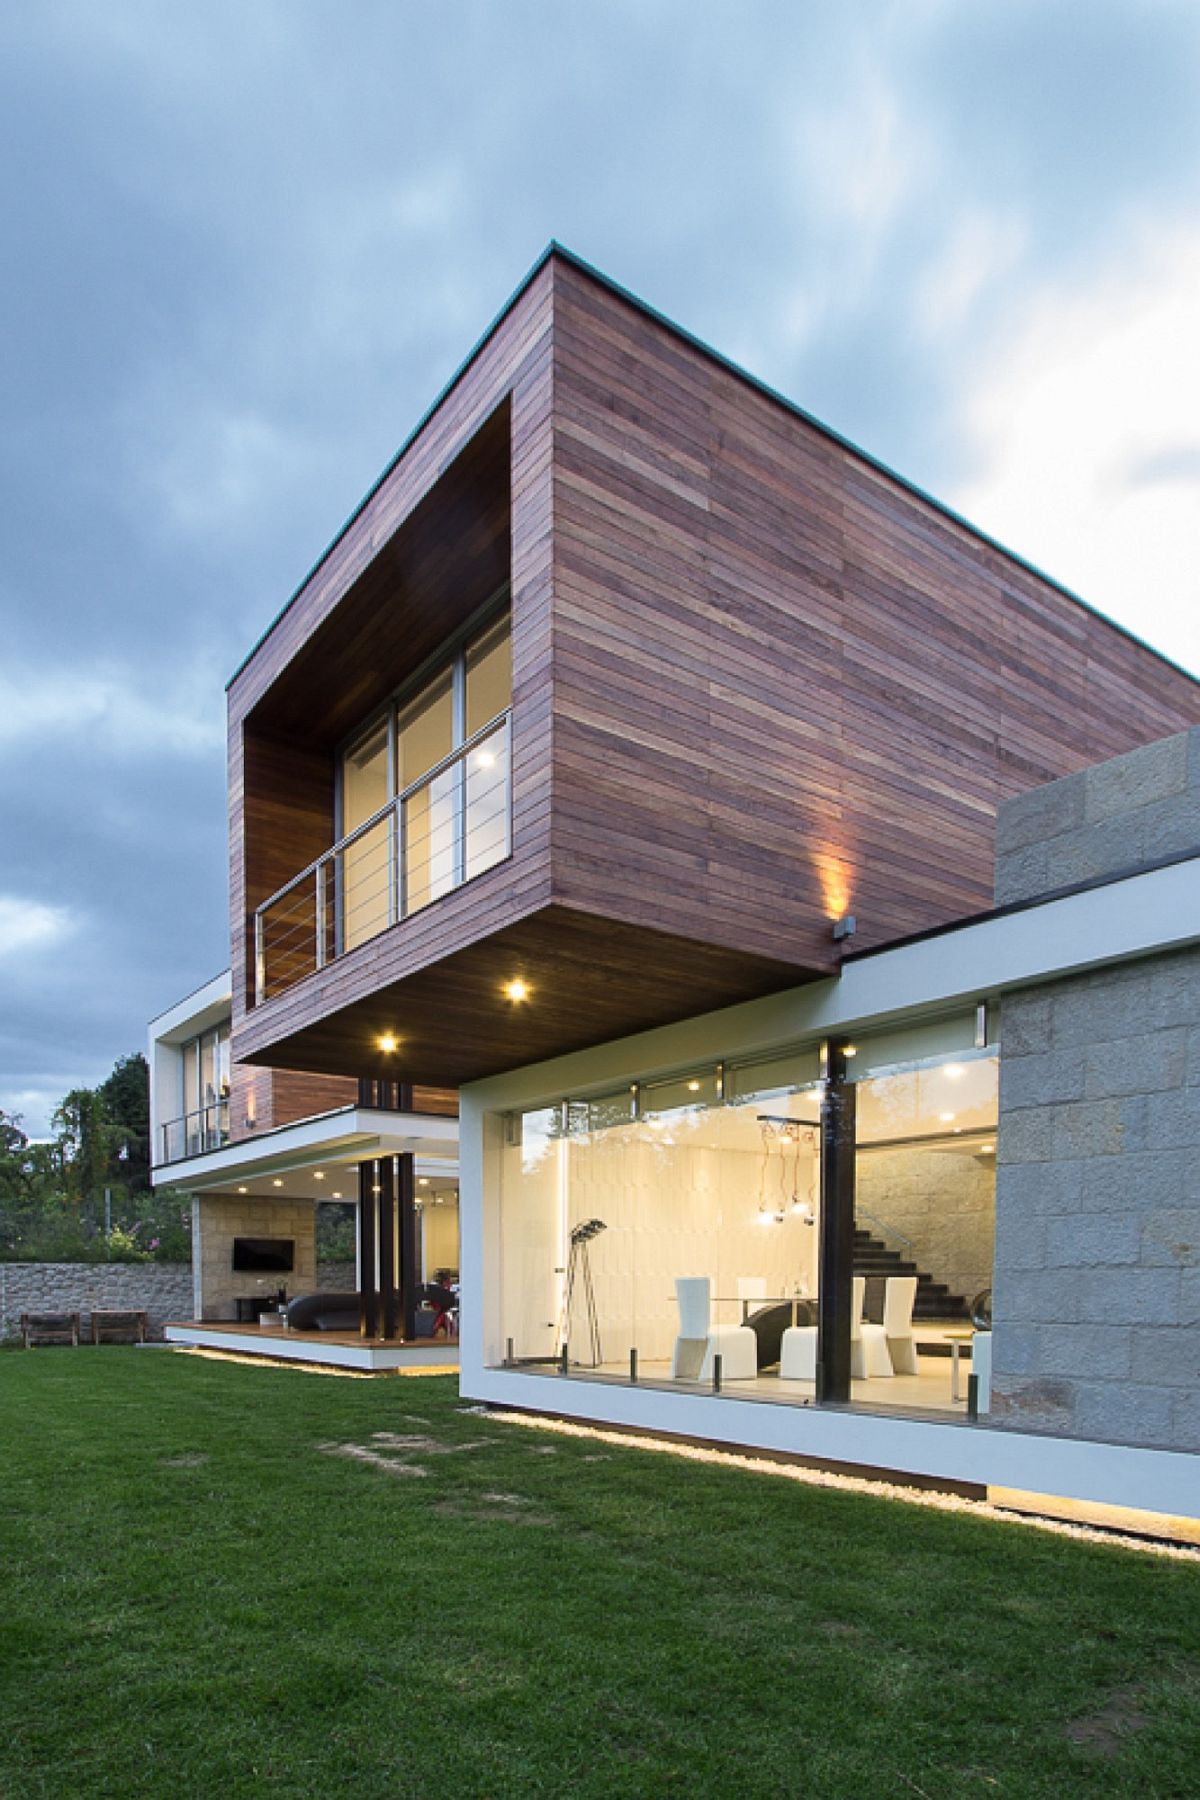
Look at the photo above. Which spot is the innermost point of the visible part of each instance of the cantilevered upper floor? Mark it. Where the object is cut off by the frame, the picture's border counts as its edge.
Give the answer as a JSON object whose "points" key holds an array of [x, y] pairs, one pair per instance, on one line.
{"points": [[623, 685]]}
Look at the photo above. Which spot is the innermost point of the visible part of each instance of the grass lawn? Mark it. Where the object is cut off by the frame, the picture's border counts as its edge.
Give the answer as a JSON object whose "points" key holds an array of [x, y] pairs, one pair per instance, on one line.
{"points": [[202, 1598]]}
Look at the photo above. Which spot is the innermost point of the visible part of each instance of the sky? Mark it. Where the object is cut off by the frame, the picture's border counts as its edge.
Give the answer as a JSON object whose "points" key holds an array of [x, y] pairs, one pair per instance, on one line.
{"points": [[246, 244]]}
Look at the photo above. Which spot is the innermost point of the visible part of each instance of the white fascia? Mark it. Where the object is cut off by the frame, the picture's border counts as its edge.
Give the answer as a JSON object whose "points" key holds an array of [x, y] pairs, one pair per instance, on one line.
{"points": [[1142, 915], [210, 1005], [350, 1135]]}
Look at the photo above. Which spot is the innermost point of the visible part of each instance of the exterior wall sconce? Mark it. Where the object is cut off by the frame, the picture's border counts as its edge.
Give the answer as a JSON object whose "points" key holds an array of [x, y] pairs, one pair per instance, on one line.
{"points": [[845, 927]]}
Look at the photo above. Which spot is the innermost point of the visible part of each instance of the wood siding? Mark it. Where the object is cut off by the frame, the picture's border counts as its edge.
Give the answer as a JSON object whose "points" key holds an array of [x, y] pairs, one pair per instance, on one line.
{"points": [[757, 682], [785, 686]]}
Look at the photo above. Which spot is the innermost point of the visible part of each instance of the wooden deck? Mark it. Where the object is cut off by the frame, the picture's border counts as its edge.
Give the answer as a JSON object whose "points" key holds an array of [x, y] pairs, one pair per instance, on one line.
{"points": [[323, 1349]]}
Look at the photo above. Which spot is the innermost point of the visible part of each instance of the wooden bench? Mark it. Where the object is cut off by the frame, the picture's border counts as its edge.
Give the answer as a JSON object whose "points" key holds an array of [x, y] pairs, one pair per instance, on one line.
{"points": [[110, 1327], [49, 1328]]}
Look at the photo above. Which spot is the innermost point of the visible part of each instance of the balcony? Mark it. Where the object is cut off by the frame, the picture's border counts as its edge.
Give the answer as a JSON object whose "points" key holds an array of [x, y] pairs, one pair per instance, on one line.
{"points": [[196, 1133], [437, 834]]}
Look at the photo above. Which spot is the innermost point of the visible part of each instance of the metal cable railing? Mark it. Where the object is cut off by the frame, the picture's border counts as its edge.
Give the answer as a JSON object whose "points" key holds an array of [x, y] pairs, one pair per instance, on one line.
{"points": [[443, 830], [193, 1133]]}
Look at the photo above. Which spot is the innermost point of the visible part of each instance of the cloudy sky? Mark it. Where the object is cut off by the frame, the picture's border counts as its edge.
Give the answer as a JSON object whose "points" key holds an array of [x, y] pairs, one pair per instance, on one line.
{"points": [[245, 244]]}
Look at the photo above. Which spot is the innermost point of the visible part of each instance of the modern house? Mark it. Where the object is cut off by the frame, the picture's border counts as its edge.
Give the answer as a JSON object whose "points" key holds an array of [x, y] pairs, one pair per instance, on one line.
{"points": [[633, 763], [260, 1151]]}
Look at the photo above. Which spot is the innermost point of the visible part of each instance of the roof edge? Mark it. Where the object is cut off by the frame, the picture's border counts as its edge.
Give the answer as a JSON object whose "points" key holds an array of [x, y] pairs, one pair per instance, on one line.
{"points": [[556, 249]]}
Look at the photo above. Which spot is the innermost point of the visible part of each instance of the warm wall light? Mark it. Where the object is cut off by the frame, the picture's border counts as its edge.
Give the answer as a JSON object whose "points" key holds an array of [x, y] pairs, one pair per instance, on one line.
{"points": [[693, 1087], [516, 990], [277, 1183], [422, 1181], [388, 1042], [318, 1174], [243, 1190], [845, 927], [336, 1195]]}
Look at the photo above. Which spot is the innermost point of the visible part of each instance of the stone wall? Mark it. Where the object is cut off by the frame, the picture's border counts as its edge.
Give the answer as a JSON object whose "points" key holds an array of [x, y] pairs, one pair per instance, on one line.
{"points": [[1116, 816], [942, 1201], [217, 1219], [162, 1290], [1097, 1282]]}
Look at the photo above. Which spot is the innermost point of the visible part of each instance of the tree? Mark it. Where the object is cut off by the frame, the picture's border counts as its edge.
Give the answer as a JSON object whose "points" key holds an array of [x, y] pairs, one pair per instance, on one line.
{"points": [[125, 1099]]}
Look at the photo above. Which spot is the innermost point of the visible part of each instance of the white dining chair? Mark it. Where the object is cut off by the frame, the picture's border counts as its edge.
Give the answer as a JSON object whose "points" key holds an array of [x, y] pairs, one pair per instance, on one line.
{"points": [[893, 1341], [700, 1340], [798, 1347]]}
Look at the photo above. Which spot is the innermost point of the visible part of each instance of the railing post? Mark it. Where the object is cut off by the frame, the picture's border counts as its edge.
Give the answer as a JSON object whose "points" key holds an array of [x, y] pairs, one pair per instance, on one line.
{"points": [[320, 915], [260, 961]]}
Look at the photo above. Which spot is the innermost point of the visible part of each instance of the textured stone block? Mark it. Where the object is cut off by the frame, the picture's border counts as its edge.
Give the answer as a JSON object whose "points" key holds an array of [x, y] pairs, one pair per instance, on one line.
{"points": [[1036, 1296], [1123, 1296], [1168, 1356], [1045, 1403], [1085, 1128], [1040, 813], [1038, 1080], [1088, 1239], [1026, 1027], [1108, 848], [1089, 1352], [1185, 1421], [1025, 1137], [1015, 1349], [1171, 1236], [1125, 784], [1145, 1063], [1172, 827], [1124, 1413], [1022, 875], [1137, 1181]]}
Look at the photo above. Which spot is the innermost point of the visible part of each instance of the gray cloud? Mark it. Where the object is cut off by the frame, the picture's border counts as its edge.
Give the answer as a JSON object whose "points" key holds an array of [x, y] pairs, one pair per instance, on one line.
{"points": [[249, 245]]}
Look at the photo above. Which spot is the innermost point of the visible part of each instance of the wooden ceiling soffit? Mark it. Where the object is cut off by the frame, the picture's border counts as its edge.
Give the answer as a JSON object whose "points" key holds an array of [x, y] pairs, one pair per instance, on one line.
{"points": [[589, 980], [450, 555]]}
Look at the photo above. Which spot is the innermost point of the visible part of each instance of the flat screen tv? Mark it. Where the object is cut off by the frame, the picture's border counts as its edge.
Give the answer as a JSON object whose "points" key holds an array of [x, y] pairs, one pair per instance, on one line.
{"points": [[259, 1256]]}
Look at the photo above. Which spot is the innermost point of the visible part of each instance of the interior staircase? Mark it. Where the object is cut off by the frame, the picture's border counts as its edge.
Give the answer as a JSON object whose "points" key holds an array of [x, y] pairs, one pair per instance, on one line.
{"points": [[872, 1257]]}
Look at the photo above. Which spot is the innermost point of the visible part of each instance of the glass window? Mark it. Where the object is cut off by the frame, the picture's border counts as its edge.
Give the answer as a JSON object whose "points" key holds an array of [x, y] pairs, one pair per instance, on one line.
{"points": [[451, 824], [425, 732], [601, 1220], [363, 867], [489, 676]]}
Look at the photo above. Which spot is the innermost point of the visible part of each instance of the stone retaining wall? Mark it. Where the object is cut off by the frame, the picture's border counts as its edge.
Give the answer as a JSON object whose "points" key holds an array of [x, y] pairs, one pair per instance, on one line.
{"points": [[161, 1290]]}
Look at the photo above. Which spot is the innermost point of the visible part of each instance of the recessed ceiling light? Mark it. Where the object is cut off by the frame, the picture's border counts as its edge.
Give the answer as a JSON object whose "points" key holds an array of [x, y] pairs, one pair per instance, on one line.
{"points": [[516, 990], [849, 1049], [987, 1149], [277, 1182], [388, 1042], [422, 1181], [946, 1118], [243, 1190], [486, 759], [336, 1195], [318, 1174], [693, 1087], [954, 1070]]}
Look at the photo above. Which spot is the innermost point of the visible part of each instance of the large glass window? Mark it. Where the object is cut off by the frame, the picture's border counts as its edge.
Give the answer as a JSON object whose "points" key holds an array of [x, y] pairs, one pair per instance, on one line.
{"points": [[647, 1230], [609, 1202], [442, 756], [366, 789], [204, 1091]]}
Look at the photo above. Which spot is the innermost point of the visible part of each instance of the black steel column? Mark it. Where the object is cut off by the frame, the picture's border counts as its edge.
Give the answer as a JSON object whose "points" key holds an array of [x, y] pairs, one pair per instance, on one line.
{"points": [[368, 1218], [406, 1195], [387, 1247], [836, 1274]]}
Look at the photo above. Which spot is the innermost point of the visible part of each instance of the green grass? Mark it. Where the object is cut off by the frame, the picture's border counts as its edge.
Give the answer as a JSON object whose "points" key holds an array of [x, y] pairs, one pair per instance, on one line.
{"points": [[199, 1600]]}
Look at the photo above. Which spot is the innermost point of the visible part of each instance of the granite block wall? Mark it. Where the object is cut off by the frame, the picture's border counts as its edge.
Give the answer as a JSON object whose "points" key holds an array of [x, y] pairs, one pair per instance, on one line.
{"points": [[1115, 816], [217, 1219], [943, 1201], [1097, 1278]]}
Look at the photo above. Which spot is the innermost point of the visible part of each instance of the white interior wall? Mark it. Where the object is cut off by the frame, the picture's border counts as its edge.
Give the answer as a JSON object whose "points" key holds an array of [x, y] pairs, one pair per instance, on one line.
{"points": [[679, 1200]]}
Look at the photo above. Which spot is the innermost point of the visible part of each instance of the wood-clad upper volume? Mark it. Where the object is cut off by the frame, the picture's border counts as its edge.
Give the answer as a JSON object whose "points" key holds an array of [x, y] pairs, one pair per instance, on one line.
{"points": [[758, 681]]}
